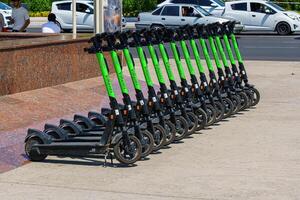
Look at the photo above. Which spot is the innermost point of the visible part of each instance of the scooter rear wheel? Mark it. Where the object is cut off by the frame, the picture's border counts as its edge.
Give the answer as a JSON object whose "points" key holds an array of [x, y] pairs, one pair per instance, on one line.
{"points": [[228, 107], [159, 137], [202, 118], [147, 147], [193, 122], [128, 155], [170, 132], [211, 115], [182, 127], [31, 154]]}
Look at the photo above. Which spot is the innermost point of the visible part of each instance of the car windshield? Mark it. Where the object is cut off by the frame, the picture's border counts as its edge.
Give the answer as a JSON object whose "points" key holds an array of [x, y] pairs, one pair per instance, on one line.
{"points": [[220, 2], [4, 6], [202, 11], [275, 6]]}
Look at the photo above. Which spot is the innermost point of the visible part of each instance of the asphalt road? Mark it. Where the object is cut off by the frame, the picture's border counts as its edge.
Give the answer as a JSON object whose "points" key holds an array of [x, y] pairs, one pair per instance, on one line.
{"points": [[262, 46]]}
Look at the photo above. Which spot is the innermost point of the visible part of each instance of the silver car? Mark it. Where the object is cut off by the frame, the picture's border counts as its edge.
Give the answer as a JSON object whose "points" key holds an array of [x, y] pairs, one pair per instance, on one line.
{"points": [[175, 15]]}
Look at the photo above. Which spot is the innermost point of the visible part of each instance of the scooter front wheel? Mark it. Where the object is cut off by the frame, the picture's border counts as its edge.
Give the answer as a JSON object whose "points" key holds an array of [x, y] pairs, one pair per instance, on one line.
{"points": [[220, 110], [202, 118], [211, 115], [148, 143], [159, 136], [170, 132], [236, 100], [32, 154], [182, 127], [128, 154], [228, 107], [244, 100], [193, 122], [256, 96]]}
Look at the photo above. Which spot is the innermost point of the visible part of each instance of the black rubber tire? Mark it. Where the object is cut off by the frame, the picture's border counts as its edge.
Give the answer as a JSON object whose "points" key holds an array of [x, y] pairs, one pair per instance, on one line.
{"points": [[202, 118], [256, 96], [182, 127], [156, 26], [236, 100], [250, 97], [159, 137], [228, 107], [220, 110], [121, 154], [33, 155], [211, 115], [244, 100], [283, 28], [170, 132], [193, 122], [148, 147]]}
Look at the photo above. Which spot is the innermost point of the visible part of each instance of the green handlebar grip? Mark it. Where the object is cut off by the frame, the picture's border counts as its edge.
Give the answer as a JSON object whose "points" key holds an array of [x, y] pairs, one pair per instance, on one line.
{"points": [[155, 62], [105, 75], [118, 69], [166, 62], [144, 66], [131, 69]]}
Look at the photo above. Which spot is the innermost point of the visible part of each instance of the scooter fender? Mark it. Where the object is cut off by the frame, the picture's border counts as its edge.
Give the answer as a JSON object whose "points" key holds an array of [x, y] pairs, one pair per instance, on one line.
{"points": [[33, 133], [223, 95], [196, 105], [59, 131], [188, 109], [116, 138]]}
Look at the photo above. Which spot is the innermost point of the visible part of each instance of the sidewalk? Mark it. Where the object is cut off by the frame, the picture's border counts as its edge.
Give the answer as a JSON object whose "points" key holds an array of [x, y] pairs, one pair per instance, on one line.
{"points": [[254, 155]]}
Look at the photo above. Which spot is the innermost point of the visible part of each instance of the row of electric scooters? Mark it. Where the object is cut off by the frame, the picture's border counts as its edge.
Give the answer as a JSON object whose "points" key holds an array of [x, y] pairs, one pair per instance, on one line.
{"points": [[132, 130]]}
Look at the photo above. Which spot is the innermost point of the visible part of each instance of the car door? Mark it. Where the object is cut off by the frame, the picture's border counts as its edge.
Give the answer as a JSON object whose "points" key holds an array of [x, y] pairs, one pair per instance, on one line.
{"points": [[239, 12], [84, 16], [169, 16], [261, 16], [189, 15], [63, 14]]}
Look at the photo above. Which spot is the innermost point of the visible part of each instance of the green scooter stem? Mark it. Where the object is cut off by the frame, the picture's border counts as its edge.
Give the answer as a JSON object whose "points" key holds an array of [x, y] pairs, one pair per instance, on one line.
{"points": [[236, 48], [144, 65], [132, 71], [187, 57], [221, 51], [155, 62], [166, 62], [228, 49], [214, 51], [206, 55], [119, 72], [105, 75], [197, 56], [178, 61]]}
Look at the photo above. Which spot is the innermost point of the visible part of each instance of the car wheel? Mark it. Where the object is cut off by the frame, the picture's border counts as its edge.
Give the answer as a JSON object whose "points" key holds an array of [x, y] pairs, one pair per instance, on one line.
{"points": [[283, 28], [156, 26]]}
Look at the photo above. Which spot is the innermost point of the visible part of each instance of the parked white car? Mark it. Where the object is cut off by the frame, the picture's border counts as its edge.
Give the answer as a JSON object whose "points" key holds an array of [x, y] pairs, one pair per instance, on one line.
{"points": [[215, 7], [175, 15], [6, 11], [262, 15], [84, 13]]}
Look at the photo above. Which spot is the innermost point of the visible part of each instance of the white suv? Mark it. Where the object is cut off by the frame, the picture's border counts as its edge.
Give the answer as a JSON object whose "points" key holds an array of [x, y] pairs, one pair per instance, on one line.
{"points": [[261, 15]]}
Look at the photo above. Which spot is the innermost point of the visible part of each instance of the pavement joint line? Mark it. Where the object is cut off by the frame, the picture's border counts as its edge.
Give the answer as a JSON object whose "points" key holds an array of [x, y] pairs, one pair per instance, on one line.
{"points": [[108, 191]]}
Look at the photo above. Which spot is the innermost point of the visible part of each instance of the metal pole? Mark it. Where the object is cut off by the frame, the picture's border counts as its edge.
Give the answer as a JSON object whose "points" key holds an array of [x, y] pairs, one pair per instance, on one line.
{"points": [[74, 22], [98, 16]]}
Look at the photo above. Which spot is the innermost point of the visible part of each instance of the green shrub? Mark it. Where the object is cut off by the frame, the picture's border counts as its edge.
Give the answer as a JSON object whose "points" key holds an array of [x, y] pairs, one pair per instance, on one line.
{"points": [[134, 7]]}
